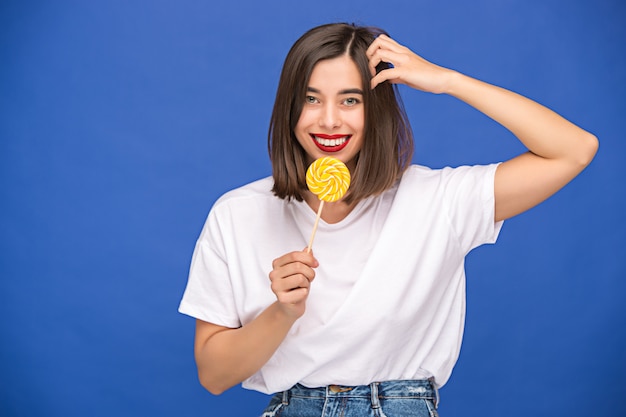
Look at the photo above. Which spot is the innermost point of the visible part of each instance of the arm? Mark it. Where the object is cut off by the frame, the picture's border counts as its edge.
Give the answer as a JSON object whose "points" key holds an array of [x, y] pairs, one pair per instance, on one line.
{"points": [[225, 356], [558, 149]]}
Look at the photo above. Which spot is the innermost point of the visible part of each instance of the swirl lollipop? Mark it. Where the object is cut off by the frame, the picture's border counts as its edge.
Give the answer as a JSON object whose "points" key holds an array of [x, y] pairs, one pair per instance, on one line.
{"points": [[328, 178]]}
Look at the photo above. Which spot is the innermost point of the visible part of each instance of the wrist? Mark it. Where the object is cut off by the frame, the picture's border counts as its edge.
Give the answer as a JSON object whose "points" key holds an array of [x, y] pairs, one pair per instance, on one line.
{"points": [[284, 315], [451, 81]]}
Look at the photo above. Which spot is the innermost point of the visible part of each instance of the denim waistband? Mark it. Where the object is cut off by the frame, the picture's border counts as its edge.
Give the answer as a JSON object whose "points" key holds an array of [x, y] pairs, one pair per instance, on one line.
{"points": [[420, 388]]}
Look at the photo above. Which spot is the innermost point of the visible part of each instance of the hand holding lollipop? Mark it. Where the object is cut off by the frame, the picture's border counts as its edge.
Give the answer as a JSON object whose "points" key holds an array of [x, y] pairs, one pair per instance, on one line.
{"points": [[329, 179]]}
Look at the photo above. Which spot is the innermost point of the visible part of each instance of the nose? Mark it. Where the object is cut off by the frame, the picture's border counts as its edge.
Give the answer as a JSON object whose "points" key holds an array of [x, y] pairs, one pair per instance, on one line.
{"points": [[330, 117]]}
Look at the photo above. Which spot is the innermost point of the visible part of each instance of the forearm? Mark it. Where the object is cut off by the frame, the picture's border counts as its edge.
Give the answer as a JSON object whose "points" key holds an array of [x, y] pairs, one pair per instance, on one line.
{"points": [[230, 356], [542, 131], [559, 150]]}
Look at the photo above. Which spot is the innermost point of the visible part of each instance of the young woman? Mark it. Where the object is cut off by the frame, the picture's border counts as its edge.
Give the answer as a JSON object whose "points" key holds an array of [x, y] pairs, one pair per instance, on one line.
{"points": [[371, 322]]}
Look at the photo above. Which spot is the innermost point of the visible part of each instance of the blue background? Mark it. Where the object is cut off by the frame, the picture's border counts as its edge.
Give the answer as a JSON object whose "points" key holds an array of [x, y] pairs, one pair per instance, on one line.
{"points": [[121, 122]]}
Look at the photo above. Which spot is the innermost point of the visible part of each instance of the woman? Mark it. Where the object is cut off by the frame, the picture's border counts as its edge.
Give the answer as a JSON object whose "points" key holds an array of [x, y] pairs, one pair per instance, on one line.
{"points": [[371, 322]]}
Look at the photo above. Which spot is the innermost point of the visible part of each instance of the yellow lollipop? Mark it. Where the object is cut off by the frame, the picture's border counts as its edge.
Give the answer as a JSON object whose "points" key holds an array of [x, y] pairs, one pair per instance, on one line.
{"points": [[328, 178]]}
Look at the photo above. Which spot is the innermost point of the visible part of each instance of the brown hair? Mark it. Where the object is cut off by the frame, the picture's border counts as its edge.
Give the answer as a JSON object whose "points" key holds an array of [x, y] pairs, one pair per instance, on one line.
{"points": [[388, 141]]}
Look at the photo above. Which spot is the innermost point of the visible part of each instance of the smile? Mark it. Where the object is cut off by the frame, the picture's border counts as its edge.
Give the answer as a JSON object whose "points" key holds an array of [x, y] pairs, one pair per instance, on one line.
{"points": [[330, 143]]}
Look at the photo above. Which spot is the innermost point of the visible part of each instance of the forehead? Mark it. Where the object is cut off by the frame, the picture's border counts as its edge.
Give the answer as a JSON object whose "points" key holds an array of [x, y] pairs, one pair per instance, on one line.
{"points": [[341, 72]]}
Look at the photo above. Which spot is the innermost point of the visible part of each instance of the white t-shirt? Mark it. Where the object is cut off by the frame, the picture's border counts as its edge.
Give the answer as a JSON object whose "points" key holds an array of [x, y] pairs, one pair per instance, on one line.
{"points": [[388, 299]]}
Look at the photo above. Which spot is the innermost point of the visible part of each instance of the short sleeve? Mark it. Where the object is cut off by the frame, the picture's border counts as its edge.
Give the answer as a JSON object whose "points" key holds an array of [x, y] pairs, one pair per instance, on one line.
{"points": [[209, 292], [470, 204]]}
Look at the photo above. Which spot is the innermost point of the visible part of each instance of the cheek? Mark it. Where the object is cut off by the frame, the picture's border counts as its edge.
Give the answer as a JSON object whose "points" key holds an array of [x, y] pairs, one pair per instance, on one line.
{"points": [[357, 120], [304, 120], [302, 128]]}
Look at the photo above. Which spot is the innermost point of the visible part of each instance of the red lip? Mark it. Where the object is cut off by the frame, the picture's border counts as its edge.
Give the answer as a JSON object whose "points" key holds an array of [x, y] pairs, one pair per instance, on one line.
{"points": [[323, 136], [330, 149]]}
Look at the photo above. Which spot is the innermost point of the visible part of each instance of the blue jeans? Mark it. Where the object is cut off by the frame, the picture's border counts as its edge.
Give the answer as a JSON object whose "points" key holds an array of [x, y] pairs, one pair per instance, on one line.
{"points": [[380, 399]]}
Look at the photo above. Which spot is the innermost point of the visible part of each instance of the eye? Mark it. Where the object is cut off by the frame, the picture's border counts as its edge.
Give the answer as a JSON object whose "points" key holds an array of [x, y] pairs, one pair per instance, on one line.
{"points": [[351, 101], [310, 100]]}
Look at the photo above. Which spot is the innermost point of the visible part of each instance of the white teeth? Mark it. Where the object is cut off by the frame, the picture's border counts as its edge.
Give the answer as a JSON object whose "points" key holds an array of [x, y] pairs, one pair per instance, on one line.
{"points": [[330, 142]]}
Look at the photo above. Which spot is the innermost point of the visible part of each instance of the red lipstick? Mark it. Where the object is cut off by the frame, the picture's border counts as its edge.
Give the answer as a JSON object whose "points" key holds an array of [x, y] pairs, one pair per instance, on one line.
{"points": [[330, 143]]}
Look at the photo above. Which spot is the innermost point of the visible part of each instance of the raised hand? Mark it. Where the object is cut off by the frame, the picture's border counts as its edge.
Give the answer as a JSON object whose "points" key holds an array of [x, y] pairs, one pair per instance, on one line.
{"points": [[559, 150], [407, 67]]}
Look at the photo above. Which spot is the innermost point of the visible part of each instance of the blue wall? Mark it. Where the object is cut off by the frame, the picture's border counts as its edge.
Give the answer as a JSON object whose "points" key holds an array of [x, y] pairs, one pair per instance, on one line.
{"points": [[122, 121]]}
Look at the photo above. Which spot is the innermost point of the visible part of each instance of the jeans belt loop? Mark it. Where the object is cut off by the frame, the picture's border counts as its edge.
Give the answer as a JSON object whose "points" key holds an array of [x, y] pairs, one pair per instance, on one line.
{"points": [[285, 397], [432, 383], [374, 395]]}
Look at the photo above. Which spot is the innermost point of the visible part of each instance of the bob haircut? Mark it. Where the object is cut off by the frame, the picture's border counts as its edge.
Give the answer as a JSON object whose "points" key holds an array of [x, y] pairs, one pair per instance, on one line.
{"points": [[388, 140]]}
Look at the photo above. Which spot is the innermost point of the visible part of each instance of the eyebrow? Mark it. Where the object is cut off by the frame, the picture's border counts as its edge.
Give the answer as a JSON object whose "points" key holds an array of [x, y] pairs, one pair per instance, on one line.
{"points": [[346, 91]]}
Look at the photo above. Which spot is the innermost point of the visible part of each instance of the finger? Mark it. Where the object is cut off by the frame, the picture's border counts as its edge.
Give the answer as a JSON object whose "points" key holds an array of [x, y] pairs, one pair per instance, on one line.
{"points": [[384, 42], [385, 75], [293, 297], [378, 43], [379, 56], [297, 256], [294, 268], [394, 59], [289, 284], [388, 55], [373, 47]]}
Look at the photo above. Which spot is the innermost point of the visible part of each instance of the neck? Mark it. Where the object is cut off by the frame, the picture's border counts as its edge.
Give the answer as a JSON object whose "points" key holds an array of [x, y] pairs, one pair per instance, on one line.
{"points": [[332, 212]]}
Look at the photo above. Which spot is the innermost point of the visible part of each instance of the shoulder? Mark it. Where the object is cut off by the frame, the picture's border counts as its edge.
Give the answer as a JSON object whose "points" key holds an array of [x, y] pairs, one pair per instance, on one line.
{"points": [[241, 205], [430, 184], [424, 174], [257, 190]]}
